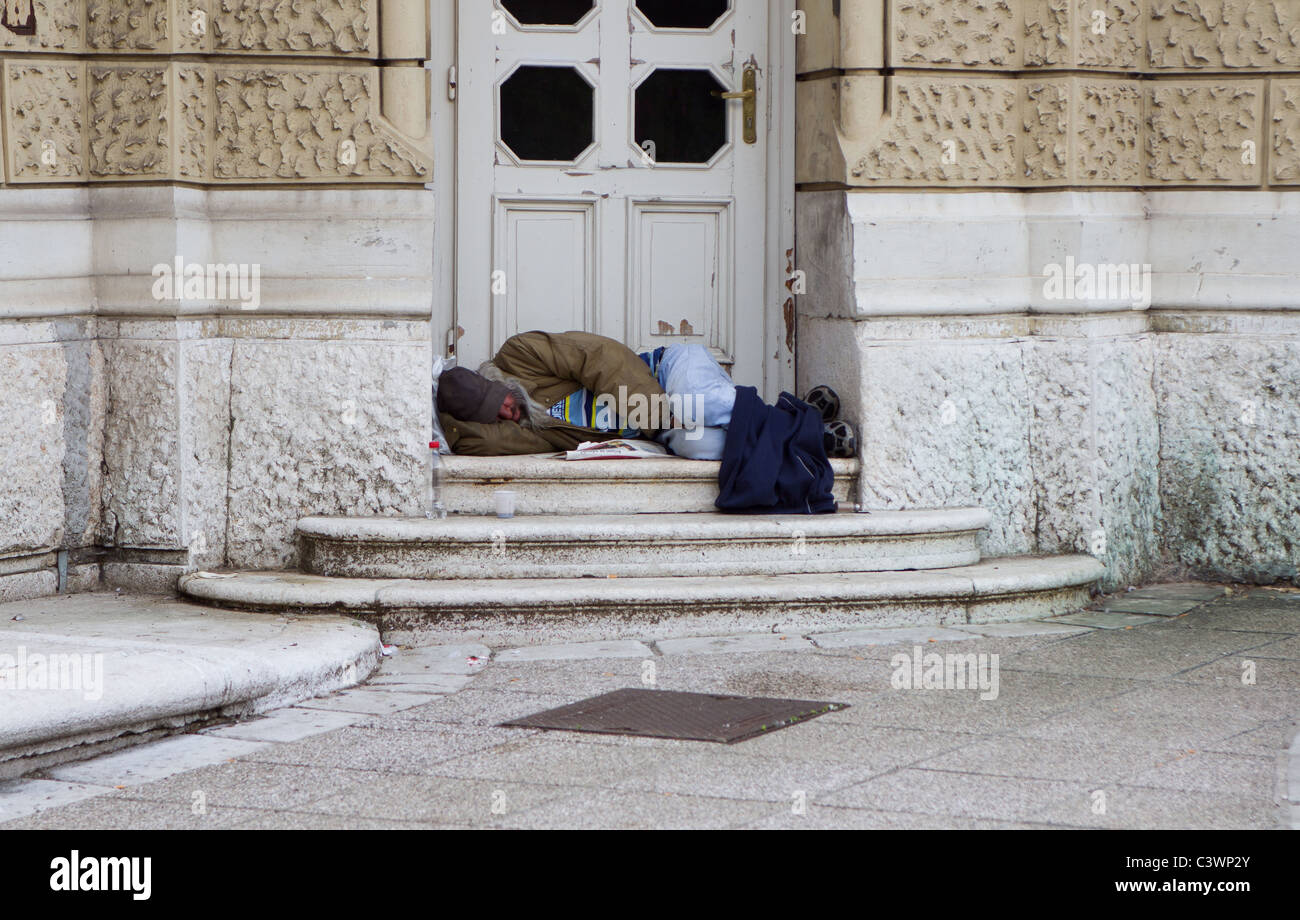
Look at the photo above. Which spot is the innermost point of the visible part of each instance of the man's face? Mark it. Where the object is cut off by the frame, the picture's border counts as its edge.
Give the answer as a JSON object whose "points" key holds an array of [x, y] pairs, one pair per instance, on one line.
{"points": [[511, 411]]}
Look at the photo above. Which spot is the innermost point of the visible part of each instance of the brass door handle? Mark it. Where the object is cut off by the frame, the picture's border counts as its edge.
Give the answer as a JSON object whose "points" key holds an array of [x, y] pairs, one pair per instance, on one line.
{"points": [[750, 97]]}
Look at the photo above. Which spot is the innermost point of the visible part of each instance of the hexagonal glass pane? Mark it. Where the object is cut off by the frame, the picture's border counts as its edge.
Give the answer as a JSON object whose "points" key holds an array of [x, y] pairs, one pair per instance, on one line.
{"points": [[548, 12], [546, 113], [680, 113], [683, 14]]}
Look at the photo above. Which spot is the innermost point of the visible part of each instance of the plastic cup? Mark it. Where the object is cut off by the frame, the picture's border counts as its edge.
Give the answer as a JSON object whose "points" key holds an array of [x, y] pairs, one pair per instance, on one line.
{"points": [[505, 502]]}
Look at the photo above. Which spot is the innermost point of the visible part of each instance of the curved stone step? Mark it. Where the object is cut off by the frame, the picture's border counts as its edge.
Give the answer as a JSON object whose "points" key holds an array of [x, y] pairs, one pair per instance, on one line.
{"points": [[545, 485], [522, 611], [640, 545]]}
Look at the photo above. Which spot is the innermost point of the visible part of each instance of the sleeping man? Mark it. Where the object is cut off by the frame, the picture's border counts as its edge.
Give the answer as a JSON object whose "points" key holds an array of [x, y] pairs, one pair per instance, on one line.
{"points": [[545, 392]]}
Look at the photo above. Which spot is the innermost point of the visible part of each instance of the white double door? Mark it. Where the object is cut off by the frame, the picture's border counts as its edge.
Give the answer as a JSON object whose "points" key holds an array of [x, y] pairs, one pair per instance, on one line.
{"points": [[605, 183]]}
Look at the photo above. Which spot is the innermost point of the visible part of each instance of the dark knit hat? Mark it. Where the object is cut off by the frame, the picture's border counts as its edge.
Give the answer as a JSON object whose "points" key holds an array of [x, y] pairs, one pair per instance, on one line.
{"points": [[470, 397]]}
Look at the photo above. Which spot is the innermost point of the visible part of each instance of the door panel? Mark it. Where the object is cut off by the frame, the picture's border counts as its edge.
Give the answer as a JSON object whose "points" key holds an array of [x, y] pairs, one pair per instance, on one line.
{"points": [[549, 275], [605, 179]]}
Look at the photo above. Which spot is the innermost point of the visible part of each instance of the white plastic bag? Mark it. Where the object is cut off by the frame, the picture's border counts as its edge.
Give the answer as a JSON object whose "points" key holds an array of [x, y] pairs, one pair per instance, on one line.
{"points": [[440, 366]]}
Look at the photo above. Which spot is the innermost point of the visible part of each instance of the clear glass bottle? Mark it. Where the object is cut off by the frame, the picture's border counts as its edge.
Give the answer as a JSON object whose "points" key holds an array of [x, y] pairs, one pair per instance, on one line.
{"points": [[437, 511]]}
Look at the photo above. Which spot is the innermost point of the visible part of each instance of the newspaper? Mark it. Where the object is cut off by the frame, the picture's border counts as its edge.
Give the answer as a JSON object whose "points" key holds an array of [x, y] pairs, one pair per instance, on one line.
{"points": [[617, 450]]}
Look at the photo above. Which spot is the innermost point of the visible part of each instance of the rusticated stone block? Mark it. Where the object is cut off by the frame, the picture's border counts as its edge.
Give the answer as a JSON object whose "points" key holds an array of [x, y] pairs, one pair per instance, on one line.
{"points": [[1109, 33], [1223, 34], [128, 121], [1108, 132], [127, 25], [1286, 132], [57, 26], [1229, 470], [1204, 132], [343, 436], [44, 109], [299, 124], [955, 33], [193, 122], [334, 27], [951, 131], [1047, 128], [1047, 33]]}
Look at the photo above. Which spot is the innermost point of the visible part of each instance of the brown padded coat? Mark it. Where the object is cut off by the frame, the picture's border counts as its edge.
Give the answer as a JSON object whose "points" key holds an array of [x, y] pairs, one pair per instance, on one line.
{"points": [[552, 367]]}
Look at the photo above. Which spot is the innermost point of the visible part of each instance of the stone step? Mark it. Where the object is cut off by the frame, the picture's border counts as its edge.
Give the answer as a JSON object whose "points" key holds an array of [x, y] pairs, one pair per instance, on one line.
{"points": [[536, 611], [640, 545], [544, 485]]}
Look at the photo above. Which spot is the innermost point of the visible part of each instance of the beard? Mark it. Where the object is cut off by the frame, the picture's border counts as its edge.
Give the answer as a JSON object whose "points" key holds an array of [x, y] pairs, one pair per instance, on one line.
{"points": [[533, 414]]}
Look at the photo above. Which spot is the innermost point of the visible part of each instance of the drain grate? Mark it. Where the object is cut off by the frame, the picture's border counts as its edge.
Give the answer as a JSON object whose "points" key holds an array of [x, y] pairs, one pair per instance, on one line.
{"points": [[680, 716]]}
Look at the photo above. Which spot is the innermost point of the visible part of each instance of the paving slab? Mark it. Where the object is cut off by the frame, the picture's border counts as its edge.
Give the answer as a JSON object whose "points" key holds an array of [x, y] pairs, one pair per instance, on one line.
{"points": [[1209, 772], [438, 799], [1146, 654], [150, 762], [115, 813], [724, 645], [827, 818], [909, 636], [575, 652], [386, 750], [610, 810], [21, 797], [1065, 759], [250, 784], [362, 701], [1100, 619], [732, 775], [1152, 606], [959, 795], [1140, 807], [1180, 591], [1025, 628], [291, 724]]}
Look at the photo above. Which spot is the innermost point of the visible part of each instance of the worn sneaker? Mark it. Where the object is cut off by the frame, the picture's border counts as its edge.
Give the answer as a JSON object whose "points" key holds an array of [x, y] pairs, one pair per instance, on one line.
{"points": [[826, 401], [840, 440]]}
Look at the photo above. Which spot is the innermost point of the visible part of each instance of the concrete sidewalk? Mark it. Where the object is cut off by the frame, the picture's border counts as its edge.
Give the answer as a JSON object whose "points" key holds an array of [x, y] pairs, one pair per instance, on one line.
{"points": [[88, 672], [1164, 708]]}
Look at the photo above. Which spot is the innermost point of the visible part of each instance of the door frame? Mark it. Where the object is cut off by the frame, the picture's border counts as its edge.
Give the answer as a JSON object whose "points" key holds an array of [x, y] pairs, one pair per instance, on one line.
{"points": [[779, 316]]}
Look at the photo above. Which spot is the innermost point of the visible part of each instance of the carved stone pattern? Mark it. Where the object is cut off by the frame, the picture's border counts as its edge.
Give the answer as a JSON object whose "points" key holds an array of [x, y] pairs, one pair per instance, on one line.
{"points": [[187, 39], [1120, 45], [1286, 132], [979, 117], [128, 121], [1109, 119], [126, 25], [44, 105], [58, 23], [1047, 129], [1224, 33], [1197, 131], [321, 26], [970, 32], [192, 129], [1047, 33], [292, 125]]}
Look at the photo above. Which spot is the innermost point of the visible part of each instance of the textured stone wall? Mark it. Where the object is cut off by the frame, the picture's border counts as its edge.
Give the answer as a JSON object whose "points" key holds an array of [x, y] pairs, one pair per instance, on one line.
{"points": [[106, 91], [138, 447], [1051, 93]]}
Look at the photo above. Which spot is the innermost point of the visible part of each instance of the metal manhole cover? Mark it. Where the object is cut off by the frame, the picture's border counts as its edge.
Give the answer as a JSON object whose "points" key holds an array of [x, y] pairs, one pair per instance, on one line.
{"points": [[681, 716]]}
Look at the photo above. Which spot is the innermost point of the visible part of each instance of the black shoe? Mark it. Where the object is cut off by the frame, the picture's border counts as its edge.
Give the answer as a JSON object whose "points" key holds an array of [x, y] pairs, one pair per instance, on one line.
{"points": [[840, 440], [826, 401]]}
